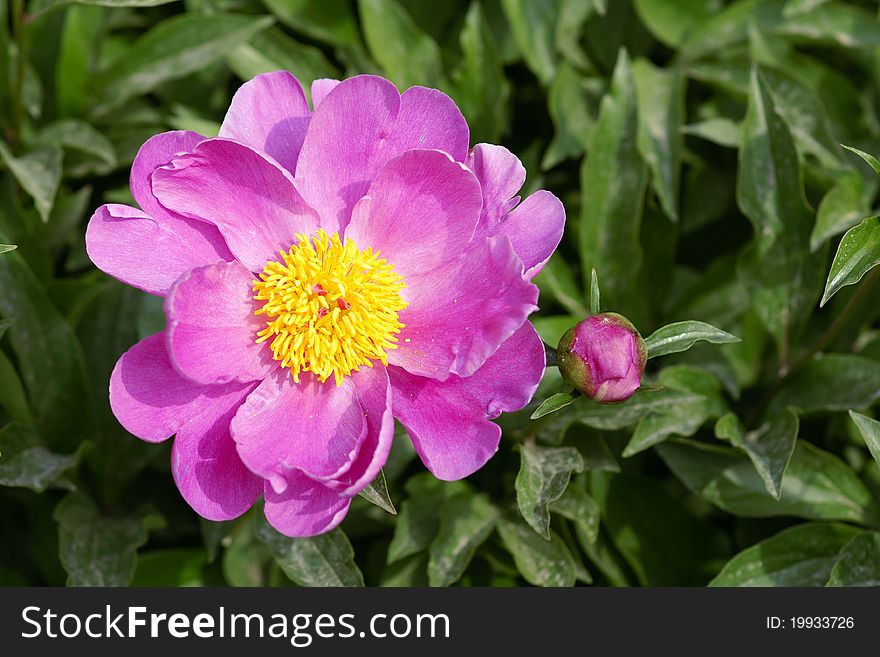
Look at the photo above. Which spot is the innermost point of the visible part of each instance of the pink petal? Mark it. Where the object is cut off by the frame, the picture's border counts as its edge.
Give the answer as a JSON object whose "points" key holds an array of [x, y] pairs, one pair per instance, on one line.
{"points": [[305, 508], [420, 212], [535, 230], [501, 176], [150, 254], [212, 326], [158, 151], [358, 126], [270, 113], [152, 401], [461, 312], [208, 471], [320, 88], [448, 421], [311, 427], [246, 194]]}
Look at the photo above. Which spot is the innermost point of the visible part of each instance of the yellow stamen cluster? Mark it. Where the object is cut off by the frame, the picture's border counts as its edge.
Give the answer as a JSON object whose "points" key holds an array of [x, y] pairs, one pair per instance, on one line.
{"points": [[330, 307]]}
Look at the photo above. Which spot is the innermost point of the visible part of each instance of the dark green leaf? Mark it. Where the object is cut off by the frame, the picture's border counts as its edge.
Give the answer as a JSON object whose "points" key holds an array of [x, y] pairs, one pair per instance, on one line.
{"points": [[418, 521], [38, 173], [858, 563], [543, 476], [579, 507], [858, 253], [681, 336], [466, 520], [172, 567], [98, 550], [25, 463], [534, 28], [542, 562], [870, 430], [79, 135], [831, 382], [799, 556], [557, 279], [572, 117], [323, 560], [842, 208]]}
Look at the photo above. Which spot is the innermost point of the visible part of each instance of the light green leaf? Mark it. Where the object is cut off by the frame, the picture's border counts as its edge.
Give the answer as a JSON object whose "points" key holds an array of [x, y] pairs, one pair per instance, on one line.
{"points": [[25, 463], [551, 328], [541, 562], [552, 404], [833, 23], [466, 521], [407, 55], [79, 135], [842, 208], [831, 382], [595, 299], [543, 476], [816, 486], [534, 29], [661, 112], [870, 430], [770, 446], [481, 87], [579, 507], [798, 556], [794, 7], [98, 550], [681, 336], [867, 157], [323, 560], [571, 115], [613, 177], [173, 49], [75, 69], [376, 492], [5, 248], [39, 174], [719, 130], [672, 20], [858, 563], [857, 254]]}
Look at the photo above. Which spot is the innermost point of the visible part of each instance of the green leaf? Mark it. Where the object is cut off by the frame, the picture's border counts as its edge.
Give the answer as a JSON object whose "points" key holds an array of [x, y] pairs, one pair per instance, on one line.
{"points": [[579, 507], [329, 22], [776, 270], [830, 382], [571, 115], [798, 556], [171, 567], [481, 87], [681, 336], [38, 173], [870, 430], [246, 559], [672, 20], [174, 49], [42, 5], [835, 23], [595, 300], [857, 254], [659, 538], [682, 419], [542, 562], [612, 417], [376, 492], [543, 476], [867, 157], [75, 69], [418, 521], [79, 135], [551, 328], [45, 344], [25, 463], [613, 178], [534, 29], [770, 446], [12, 396], [661, 112], [552, 404], [273, 50], [795, 7], [816, 486], [466, 521], [407, 55], [858, 563], [718, 130], [5, 248], [98, 550], [556, 278], [323, 560], [842, 208]]}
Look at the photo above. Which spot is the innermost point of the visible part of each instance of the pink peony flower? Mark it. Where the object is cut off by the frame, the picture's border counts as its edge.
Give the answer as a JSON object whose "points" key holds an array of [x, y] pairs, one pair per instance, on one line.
{"points": [[324, 273], [603, 357]]}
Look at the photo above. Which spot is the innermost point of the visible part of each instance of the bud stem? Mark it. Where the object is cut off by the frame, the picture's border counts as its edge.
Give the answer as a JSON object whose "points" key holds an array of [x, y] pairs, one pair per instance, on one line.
{"points": [[550, 356]]}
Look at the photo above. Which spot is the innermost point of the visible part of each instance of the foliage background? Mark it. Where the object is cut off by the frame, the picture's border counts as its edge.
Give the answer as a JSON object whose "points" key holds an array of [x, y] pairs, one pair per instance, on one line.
{"points": [[695, 144]]}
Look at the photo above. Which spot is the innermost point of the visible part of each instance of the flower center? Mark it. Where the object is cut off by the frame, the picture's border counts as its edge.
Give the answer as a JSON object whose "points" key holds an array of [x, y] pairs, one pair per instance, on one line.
{"points": [[330, 307]]}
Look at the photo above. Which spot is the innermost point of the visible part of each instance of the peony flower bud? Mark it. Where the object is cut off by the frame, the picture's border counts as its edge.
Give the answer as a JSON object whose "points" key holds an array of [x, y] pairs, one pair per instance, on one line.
{"points": [[603, 357]]}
